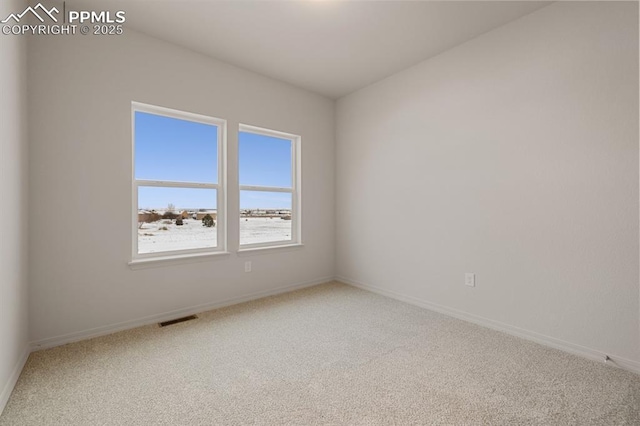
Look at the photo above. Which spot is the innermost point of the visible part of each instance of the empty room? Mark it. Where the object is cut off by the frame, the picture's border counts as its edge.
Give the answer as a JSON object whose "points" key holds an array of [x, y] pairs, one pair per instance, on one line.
{"points": [[319, 212]]}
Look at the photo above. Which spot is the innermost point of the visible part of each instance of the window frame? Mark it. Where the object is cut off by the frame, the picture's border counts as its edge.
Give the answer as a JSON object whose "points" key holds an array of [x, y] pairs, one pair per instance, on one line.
{"points": [[220, 186], [295, 190]]}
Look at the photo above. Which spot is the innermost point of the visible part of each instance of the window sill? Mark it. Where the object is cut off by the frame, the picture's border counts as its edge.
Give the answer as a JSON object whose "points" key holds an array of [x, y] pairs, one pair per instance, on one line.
{"points": [[160, 261], [250, 251]]}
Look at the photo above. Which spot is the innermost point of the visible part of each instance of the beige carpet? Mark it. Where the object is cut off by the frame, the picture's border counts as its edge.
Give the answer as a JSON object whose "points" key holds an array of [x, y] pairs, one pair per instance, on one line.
{"points": [[331, 354]]}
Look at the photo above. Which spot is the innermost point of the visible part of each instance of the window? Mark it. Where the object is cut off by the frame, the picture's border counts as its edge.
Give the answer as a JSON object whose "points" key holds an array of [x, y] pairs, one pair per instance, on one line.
{"points": [[178, 182], [269, 173]]}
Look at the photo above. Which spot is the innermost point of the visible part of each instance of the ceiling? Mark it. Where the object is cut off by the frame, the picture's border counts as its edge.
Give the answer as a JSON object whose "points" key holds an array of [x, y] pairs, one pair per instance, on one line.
{"points": [[329, 47]]}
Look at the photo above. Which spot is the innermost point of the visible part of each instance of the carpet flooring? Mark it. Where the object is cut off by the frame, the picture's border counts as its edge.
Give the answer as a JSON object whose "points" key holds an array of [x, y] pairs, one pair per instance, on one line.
{"points": [[330, 354]]}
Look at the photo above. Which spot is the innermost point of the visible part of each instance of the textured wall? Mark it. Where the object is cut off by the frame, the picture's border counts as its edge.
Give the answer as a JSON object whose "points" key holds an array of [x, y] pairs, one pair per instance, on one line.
{"points": [[514, 156], [80, 121], [14, 184]]}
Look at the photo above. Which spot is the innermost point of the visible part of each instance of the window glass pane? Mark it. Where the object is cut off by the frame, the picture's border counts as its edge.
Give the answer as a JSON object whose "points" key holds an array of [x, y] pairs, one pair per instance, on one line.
{"points": [[175, 150], [172, 219], [264, 217], [264, 160]]}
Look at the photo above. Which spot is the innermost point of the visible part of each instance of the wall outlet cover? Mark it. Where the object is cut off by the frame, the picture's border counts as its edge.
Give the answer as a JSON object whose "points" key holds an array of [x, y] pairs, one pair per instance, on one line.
{"points": [[470, 279]]}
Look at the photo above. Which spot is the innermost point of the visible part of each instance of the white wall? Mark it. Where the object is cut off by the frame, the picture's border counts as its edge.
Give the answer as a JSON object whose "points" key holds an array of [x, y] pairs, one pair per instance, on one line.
{"points": [[13, 181], [80, 96], [514, 156]]}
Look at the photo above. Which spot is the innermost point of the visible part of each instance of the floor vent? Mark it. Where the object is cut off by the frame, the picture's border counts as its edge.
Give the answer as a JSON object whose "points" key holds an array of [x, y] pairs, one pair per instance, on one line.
{"points": [[177, 320]]}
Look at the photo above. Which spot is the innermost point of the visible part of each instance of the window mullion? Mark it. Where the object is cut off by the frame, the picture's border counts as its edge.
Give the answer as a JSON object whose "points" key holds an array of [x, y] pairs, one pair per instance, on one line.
{"points": [[265, 188], [172, 184]]}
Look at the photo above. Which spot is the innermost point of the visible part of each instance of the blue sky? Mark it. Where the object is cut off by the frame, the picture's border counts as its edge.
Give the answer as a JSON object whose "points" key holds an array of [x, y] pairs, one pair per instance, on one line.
{"points": [[265, 161], [179, 150]]}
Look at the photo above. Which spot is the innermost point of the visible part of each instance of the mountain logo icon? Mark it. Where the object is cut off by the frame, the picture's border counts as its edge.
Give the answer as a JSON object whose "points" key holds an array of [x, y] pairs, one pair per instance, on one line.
{"points": [[34, 10]]}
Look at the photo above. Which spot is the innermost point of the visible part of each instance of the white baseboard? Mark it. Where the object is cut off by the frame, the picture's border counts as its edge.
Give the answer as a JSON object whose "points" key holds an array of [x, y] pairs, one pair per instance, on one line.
{"points": [[552, 342], [13, 379], [152, 319]]}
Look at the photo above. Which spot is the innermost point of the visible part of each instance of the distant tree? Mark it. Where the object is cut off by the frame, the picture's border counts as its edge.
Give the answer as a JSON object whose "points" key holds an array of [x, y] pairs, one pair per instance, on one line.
{"points": [[171, 207], [208, 221], [169, 215]]}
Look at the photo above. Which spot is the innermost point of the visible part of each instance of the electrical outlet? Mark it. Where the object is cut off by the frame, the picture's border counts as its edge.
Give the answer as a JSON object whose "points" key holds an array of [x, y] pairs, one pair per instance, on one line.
{"points": [[247, 266], [470, 279]]}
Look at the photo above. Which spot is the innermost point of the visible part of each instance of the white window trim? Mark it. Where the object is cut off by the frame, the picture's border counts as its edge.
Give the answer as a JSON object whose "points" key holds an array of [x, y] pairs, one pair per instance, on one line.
{"points": [[221, 187], [295, 190]]}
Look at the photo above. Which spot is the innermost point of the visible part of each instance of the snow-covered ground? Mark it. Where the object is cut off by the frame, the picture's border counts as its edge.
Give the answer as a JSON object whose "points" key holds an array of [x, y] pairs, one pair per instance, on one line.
{"points": [[255, 230], [165, 235]]}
